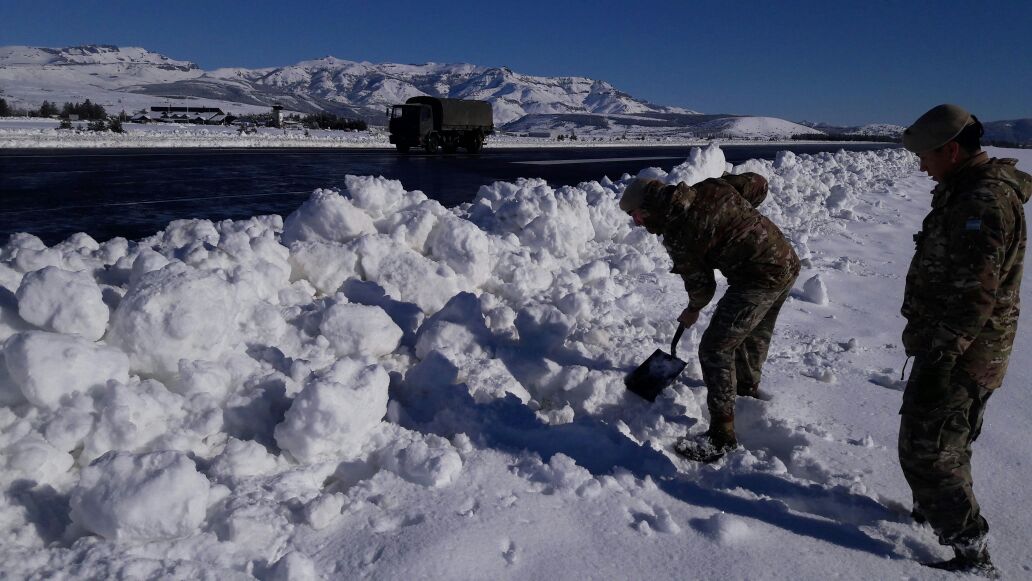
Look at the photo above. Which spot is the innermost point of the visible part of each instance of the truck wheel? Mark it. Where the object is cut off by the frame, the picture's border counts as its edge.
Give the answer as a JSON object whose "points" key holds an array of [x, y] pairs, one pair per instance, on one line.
{"points": [[474, 145], [403, 148], [432, 145]]}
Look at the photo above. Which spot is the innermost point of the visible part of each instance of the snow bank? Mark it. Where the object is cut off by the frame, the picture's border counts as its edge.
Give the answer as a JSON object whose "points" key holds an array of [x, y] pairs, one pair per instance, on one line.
{"points": [[375, 362]]}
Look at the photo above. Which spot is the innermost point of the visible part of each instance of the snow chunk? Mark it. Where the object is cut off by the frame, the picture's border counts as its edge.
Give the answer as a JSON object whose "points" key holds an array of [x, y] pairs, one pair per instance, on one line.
{"points": [[175, 313], [326, 217], [294, 566], [407, 275], [242, 459], [723, 528], [334, 413], [145, 497], [323, 510], [701, 164], [64, 302], [37, 459], [815, 291], [144, 416], [46, 367], [431, 462], [325, 265], [360, 330], [463, 247], [379, 196]]}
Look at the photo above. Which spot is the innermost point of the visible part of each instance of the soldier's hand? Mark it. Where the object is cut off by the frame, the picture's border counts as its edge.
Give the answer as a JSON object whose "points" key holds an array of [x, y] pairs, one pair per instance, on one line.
{"points": [[928, 386], [688, 317]]}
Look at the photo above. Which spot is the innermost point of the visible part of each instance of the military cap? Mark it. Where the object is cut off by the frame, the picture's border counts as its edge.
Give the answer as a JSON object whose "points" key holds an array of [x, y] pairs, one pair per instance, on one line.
{"points": [[936, 128], [634, 195]]}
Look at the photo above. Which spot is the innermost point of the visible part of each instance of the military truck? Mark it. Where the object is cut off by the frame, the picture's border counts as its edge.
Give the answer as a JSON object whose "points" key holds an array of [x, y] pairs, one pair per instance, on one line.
{"points": [[436, 124]]}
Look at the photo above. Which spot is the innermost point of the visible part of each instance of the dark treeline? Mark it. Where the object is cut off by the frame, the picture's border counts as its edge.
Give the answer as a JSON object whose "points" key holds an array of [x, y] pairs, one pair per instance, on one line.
{"points": [[86, 110], [1001, 143], [331, 121], [845, 137]]}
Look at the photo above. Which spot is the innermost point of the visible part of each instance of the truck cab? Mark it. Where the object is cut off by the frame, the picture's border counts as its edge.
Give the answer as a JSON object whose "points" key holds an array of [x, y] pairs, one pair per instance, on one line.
{"points": [[409, 124]]}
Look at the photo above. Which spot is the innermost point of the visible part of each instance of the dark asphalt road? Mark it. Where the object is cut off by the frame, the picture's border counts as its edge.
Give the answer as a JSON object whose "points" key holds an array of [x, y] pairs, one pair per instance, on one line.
{"points": [[134, 193]]}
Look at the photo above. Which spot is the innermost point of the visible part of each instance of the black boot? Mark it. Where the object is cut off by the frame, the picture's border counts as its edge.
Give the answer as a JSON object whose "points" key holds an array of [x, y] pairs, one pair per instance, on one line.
{"points": [[711, 446], [971, 557], [753, 391]]}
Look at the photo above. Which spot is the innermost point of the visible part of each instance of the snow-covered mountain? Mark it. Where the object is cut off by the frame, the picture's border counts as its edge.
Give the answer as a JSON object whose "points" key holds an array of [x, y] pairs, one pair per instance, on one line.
{"points": [[1012, 131], [134, 77]]}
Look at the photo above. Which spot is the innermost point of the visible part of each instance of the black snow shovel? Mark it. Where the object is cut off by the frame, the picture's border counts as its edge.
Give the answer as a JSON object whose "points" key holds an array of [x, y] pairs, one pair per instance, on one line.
{"points": [[658, 371]]}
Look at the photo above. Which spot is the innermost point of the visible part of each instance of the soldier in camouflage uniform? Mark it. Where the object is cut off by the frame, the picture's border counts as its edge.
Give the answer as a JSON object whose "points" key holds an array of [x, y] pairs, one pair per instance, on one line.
{"points": [[714, 225], [961, 306]]}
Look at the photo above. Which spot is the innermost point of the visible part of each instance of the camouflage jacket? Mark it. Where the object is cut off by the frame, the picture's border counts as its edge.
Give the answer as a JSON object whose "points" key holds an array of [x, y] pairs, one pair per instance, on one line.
{"points": [[962, 293], [712, 226]]}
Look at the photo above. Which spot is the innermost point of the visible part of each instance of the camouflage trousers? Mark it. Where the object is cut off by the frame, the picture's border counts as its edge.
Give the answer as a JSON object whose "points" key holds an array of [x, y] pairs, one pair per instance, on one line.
{"points": [[935, 437], [734, 346]]}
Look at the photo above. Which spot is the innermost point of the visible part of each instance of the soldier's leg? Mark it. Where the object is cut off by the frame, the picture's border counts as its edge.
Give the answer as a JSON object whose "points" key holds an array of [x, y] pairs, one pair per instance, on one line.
{"points": [[752, 352], [935, 454], [738, 313]]}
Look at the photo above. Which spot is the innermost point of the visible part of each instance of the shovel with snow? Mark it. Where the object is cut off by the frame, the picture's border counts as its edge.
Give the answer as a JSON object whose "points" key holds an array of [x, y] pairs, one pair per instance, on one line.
{"points": [[657, 372]]}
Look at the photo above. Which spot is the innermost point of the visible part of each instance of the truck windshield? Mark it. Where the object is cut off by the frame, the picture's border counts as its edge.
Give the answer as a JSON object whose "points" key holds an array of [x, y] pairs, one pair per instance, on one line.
{"points": [[398, 112]]}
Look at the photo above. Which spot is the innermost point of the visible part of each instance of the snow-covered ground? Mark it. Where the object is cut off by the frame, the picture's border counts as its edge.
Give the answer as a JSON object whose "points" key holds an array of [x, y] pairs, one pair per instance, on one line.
{"points": [[376, 386], [44, 133]]}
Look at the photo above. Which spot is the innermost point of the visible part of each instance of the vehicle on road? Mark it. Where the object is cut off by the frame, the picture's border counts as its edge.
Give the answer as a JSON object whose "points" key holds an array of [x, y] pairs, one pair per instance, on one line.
{"points": [[435, 124]]}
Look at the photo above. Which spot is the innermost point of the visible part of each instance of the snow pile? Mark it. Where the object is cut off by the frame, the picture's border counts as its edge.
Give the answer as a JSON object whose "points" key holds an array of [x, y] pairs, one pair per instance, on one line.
{"points": [[278, 398]]}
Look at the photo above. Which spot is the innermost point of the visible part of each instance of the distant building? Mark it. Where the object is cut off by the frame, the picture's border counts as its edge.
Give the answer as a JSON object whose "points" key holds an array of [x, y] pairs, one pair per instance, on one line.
{"points": [[277, 116], [196, 115]]}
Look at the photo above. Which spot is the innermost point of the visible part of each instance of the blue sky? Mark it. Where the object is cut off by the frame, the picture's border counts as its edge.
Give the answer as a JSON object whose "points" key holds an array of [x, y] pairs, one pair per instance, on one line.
{"points": [[838, 62]]}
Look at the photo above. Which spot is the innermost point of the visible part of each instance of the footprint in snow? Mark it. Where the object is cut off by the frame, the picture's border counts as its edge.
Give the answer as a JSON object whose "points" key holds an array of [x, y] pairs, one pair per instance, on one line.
{"points": [[653, 519], [509, 552]]}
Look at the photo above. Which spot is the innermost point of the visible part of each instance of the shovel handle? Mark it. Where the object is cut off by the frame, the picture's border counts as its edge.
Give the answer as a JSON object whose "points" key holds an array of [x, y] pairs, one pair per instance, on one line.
{"points": [[677, 337]]}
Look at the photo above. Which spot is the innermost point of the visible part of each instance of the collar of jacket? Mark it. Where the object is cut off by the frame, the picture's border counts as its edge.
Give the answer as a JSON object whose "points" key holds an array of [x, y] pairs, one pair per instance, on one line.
{"points": [[680, 199], [943, 192]]}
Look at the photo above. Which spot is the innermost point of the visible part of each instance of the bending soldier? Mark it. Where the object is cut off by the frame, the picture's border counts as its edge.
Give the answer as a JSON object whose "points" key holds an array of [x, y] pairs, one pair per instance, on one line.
{"points": [[961, 306], [715, 225]]}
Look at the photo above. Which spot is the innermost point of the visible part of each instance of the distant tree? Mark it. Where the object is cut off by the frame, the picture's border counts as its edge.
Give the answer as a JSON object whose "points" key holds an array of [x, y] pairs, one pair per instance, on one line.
{"points": [[115, 124], [65, 124], [5, 109], [47, 109], [97, 125]]}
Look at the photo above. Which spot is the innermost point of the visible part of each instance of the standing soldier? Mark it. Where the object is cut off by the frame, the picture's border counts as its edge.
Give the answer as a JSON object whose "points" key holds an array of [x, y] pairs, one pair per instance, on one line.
{"points": [[961, 306], [714, 225]]}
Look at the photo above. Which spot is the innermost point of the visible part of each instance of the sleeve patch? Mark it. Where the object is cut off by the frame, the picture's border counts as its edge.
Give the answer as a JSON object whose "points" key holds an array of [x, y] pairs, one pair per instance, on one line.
{"points": [[973, 224]]}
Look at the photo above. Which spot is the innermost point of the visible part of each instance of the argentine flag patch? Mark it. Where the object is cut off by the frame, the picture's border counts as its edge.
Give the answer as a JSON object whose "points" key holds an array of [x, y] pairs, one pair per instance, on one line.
{"points": [[973, 224]]}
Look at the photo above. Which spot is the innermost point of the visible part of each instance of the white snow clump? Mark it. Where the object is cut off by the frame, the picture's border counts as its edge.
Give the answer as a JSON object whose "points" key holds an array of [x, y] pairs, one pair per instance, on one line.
{"points": [[140, 497], [64, 302]]}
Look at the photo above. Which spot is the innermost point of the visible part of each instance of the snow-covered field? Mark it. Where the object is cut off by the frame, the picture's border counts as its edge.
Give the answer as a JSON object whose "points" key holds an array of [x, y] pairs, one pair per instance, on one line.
{"points": [[376, 386]]}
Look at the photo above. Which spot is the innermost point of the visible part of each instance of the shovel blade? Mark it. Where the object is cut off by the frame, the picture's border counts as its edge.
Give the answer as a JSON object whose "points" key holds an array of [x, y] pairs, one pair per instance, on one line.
{"points": [[654, 375]]}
